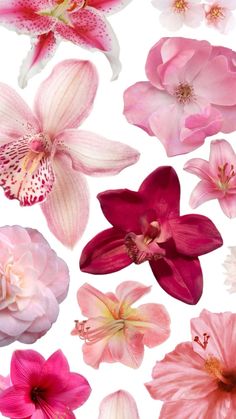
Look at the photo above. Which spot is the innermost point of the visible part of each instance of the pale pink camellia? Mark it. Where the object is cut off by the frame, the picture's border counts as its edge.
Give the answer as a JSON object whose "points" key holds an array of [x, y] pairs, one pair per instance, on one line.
{"points": [[218, 177], [115, 331], [34, 280], [218, 14], [176, 13], [42, 388], [43, 158], [198, 379], [118, 405], [191, 94], [47, 22]]}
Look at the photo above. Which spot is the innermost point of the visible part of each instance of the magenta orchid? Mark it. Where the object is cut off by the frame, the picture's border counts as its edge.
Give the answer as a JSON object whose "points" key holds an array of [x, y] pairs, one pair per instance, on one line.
{"points": [[82, 22], [39, 148], [42, 388], [147, 226], [218, 177]]}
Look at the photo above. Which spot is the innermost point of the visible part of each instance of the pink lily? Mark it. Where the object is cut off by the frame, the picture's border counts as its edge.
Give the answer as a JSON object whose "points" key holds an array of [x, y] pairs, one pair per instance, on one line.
{"points": [[218, 177], [82, 22], [115, 331], [40, 148], [42, 388], [118, 405]]}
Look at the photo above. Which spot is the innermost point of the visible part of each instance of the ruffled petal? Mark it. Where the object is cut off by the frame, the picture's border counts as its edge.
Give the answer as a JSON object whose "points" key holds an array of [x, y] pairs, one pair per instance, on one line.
{"points": [[15, 403], [94, 303], [118, 405], [26, 366], [208, 407]]}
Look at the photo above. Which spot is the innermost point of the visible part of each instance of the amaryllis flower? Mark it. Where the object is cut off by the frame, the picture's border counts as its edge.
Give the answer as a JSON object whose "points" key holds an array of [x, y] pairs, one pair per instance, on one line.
{"points": [[43, 158], [193, 82], [42, 388], [176, 13], [118, 405], [230, 267], [219, 14], [115, 331], [198, 379], [147, 226], [218, 177], [82, 22], [34, 280]]}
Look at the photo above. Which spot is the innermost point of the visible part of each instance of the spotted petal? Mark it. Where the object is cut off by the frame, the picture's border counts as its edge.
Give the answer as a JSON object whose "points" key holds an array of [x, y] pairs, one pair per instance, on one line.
{"points": [[109, 6]]}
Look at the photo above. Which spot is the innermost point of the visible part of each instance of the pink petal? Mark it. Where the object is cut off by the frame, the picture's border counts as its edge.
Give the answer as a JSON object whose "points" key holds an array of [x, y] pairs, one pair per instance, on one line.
{"points": [[129, 292], [127, 347], [228, 117], [105, 253], [96, 353], [94, 303], [95, 155], [65, 98], [208, 407], [55, 364], [109, 6], [75, 393], [204, 191], [26, 366], [228, 205], [43, 48], [118, 405], [66, 208], [198, 167], [221, 152], [15, 403], [5, 382]]}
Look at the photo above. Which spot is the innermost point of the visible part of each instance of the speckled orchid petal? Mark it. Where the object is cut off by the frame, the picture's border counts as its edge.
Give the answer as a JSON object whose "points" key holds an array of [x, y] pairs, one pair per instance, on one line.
{"points": [[118, 405]]}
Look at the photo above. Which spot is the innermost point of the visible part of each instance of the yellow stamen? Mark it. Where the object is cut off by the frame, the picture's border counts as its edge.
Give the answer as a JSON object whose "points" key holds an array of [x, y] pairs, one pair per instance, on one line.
{"points": [[180, 6], [31, 161]]}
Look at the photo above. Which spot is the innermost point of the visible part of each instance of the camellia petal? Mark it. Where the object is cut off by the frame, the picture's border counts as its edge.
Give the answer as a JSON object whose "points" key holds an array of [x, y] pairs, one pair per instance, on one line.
{"points": [[118, 405]]}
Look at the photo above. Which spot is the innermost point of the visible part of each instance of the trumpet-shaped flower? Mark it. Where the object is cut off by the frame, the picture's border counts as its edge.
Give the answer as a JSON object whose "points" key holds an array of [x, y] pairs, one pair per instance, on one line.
{"points": [[118, 405], [42, 388], [176, 13], [218, 14], [115, 331], [82, 22], [43, 158], [218, 177], [193, 82], [198, 379], [147, 226]]}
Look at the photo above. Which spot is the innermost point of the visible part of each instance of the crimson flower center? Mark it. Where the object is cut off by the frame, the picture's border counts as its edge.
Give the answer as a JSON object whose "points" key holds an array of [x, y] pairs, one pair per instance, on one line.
{"points": [[215, 13], [180, 6], [225, 173], [37, 394], [184, 93]]}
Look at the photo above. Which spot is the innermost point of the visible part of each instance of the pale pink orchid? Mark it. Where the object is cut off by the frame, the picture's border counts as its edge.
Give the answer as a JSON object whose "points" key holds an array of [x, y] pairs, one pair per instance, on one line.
{"points": [[198, 379], [218, 177], [193, 82], [176, 13], [218, 14], [115, 331], [118, 405], [43, 158], [82, 22]]}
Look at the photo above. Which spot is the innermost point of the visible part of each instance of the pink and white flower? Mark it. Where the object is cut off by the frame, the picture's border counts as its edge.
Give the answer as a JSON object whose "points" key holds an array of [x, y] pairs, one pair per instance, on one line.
{"points": [[193, 82], [82, 22], [118, 405], [198, 379], [176, 13], [218, 14], [38, 148], [115, 331], [230, 268], [34, 280], [218, 177]]}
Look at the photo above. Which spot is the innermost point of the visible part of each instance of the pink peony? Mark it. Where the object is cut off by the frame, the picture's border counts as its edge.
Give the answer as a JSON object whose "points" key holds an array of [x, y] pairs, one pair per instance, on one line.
{"points": [[191, 81], [34, 280], [198, 379], [42, 389], [176, 13], [219, 14]]}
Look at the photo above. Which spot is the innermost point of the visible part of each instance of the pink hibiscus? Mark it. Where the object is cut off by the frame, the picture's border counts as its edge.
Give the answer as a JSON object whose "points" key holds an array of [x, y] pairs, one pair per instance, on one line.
{"points": [[193, 82], [218, 177], [37, 149], [82, 22], [219, 14], [42, 388], [115, 331], [198, 379], [147, 226], [118, 405], [176, 13]]}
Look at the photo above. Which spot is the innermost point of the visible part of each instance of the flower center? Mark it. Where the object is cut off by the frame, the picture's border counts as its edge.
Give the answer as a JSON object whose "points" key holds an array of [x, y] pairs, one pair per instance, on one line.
{"points": [[215, 13], [225, 174], [92, 334], [66, 6], [226, 379], [10, 285], [184, 93], [37, 394], [39, 146], [180, 6]]}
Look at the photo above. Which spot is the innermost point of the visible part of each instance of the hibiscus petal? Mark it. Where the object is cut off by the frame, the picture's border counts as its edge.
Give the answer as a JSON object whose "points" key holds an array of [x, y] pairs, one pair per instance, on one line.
{"points": [[95, 155], [180, 277], [65, 98], [66, 208], [42, 50], [204, 191], [208, 407], [15, 403], [228, 205], [130, 291], [198, 167], [105, 253], [26, 366], [109, 6], [93, 302], [195, 235], [118, 405]]}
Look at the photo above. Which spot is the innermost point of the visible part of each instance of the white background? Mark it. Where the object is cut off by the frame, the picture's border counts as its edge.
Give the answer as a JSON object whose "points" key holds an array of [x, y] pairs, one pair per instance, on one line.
{"points": [[138, 29]]}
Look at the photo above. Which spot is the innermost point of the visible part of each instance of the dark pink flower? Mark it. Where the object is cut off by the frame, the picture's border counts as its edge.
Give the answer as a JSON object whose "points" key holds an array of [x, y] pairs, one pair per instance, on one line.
{"points": [[42, 389], [147, 226]]}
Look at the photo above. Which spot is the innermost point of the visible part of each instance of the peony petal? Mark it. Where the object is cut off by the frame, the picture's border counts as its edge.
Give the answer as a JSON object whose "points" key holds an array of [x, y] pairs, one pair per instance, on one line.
{"points": [[94, 303], [95, 155], [66, 208], [109, 6], [228, 205], [204, 191], [105, 253], [118, 405], [198, 167], [15, 403], [129, 292], [26, 366], [65, 98]]}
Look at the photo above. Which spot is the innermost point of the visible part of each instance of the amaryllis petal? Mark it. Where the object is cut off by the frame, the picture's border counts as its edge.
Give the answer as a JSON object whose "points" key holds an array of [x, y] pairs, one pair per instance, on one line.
{"points": [[66, 208], [93, 302], [108, 6], [25, 366], [130, 291], [76, 391], [95, 155], [118, 405], [204, 192], [105, 253], [72, 85], [180, 277], [14, 402], [57, 362]]}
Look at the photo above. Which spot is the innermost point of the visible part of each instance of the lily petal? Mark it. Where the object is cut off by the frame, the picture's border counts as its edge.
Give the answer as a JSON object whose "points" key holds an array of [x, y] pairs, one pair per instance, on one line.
{"points": [[25, 365], [67, 207], [198, 167], [228, 205], [15, 403], [130, 291], [93, 302], [109, 6], [204, 191], [221, 152], [118, 405]]}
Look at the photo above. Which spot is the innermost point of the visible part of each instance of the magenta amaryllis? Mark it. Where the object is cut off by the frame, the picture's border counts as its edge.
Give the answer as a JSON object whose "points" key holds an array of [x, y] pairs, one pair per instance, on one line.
{"points": [[82, 22], [147, 226], [42, 388], [43, 158]]}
